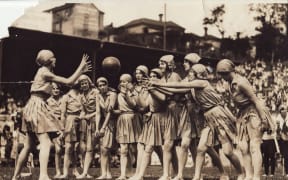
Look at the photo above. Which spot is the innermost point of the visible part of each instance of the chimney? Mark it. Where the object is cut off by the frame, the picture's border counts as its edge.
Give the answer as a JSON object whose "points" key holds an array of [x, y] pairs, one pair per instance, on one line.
{"points": [[161, 17], [205, 31], [238, 35]]}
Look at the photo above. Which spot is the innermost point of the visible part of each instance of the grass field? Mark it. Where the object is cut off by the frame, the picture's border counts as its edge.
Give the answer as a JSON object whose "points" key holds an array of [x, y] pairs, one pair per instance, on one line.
{"points": [[152, 173]]}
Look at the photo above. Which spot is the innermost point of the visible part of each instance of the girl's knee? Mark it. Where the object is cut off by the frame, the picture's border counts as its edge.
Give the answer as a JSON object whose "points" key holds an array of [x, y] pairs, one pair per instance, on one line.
{"points": [[227, 149], [104, 151], [255, 147], [168, 146], [201, 149], [243, 146], [124, 150], [185, 143], [149, 149]]}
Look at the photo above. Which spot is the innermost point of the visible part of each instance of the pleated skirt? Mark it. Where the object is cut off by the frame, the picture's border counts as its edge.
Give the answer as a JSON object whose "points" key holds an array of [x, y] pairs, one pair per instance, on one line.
{"points": [[128, 128], [38, 117]]}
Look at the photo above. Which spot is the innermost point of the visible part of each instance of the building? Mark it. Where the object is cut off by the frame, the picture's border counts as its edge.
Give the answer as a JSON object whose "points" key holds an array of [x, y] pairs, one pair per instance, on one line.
{"points": [[149, 33], [77, 19]]}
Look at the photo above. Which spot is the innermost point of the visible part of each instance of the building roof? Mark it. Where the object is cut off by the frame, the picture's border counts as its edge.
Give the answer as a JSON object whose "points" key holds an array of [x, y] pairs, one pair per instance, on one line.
{"points": [[69, 5], [152, 22]]}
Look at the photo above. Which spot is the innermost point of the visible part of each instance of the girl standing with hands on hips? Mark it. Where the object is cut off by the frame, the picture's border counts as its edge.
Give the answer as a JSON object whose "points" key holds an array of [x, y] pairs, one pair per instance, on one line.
{"points": [[38, 121]]}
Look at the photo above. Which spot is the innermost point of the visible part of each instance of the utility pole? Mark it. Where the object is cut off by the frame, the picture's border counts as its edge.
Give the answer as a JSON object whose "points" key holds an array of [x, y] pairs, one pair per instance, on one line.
{"points": [[164, 28]]}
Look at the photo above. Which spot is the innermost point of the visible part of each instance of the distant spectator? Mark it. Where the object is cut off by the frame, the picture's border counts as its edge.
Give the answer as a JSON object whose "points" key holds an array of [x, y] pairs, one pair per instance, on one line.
{"points": [[6, 143]]}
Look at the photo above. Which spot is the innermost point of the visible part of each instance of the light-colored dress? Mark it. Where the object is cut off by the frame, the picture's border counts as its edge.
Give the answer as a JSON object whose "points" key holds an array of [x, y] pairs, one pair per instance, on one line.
{"points": [[249, 122], [155, 130], [171, 116], [55, 106], [129, 125], [106, 100], [220, 122], [88, 127], [72, 103], [37, 114]]}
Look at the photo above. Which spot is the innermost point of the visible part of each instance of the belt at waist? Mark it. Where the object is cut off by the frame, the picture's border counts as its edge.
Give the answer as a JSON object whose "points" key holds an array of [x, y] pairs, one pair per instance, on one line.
{"points": [[127, 112], [244, 106], [40, 94], [212, 107], [77, 113]]}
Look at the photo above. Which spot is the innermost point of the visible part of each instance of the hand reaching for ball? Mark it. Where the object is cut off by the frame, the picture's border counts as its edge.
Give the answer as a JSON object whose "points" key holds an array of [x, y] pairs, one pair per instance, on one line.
{"points": [[85, 64]]}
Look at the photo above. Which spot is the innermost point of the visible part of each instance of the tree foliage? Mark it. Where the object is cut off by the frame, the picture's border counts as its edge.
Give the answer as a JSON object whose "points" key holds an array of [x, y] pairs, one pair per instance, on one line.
{"points": [[272, 40], [216, 18]]}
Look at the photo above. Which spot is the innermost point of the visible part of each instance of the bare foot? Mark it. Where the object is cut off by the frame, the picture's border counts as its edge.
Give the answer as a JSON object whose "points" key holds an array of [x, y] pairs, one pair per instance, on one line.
{"points": [[164, 178], [121, 178], [108, 176], [16, 177], [75, 172], [84, 176], [224, 177], [64, 176], [101, 177], [178, 178], [57, 175]]}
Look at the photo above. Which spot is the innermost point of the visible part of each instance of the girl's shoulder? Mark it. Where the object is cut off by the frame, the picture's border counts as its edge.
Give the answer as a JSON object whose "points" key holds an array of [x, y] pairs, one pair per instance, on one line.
{"points": [[240, 81], [175, 76]]}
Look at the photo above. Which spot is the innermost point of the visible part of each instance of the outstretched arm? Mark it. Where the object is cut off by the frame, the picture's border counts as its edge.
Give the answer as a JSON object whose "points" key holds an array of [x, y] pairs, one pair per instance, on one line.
{"points": [[174, 90], [84, 66], [155, 93], [193, 84]]}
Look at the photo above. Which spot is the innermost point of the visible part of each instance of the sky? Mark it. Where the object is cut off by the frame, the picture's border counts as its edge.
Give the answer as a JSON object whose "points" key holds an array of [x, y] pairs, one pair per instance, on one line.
{"points": [[186, 13]]}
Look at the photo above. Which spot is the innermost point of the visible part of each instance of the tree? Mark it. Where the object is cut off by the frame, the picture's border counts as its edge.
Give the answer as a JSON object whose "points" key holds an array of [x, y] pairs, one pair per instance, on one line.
{"points": [[272, 41], [216, 19]]}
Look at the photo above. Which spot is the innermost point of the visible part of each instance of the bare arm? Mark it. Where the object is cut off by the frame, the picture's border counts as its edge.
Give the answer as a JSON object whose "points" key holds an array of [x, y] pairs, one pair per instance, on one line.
{"points": [[106, 121], [112, 102], [84, 66], [97, 112], [130, 98], [157, 94], [175, 90], [247, 89], [192, 84], [63, 108]]}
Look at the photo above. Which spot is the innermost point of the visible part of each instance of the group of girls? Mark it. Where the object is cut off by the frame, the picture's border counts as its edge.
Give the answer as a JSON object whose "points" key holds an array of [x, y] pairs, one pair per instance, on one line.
{"points": [[160, 112]]}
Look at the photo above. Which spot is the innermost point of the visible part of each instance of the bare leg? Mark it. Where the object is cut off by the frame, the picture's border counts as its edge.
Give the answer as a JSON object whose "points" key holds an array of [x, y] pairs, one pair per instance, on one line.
{"points": [[228, 151], [193, 149], [247, 161], [256, 155], [217, 162], [57, 158], [67, 156], [201, 150], [104, 163], [23, 156], [174, 160], [87, 162], [123, 160], [108, 169], [182, 157], [88, 155], [167, 157], [45, 145], [145, 162], [140, 148]]}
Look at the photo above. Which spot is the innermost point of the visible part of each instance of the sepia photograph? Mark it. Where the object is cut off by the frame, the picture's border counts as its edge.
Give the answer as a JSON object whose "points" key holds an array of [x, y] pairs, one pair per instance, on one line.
{"points": [[144, 90]]}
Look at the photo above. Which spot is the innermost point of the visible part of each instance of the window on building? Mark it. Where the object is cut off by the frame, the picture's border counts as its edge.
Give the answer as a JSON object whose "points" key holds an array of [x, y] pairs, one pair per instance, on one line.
{"points": [[57, 27], [145, 30]]}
